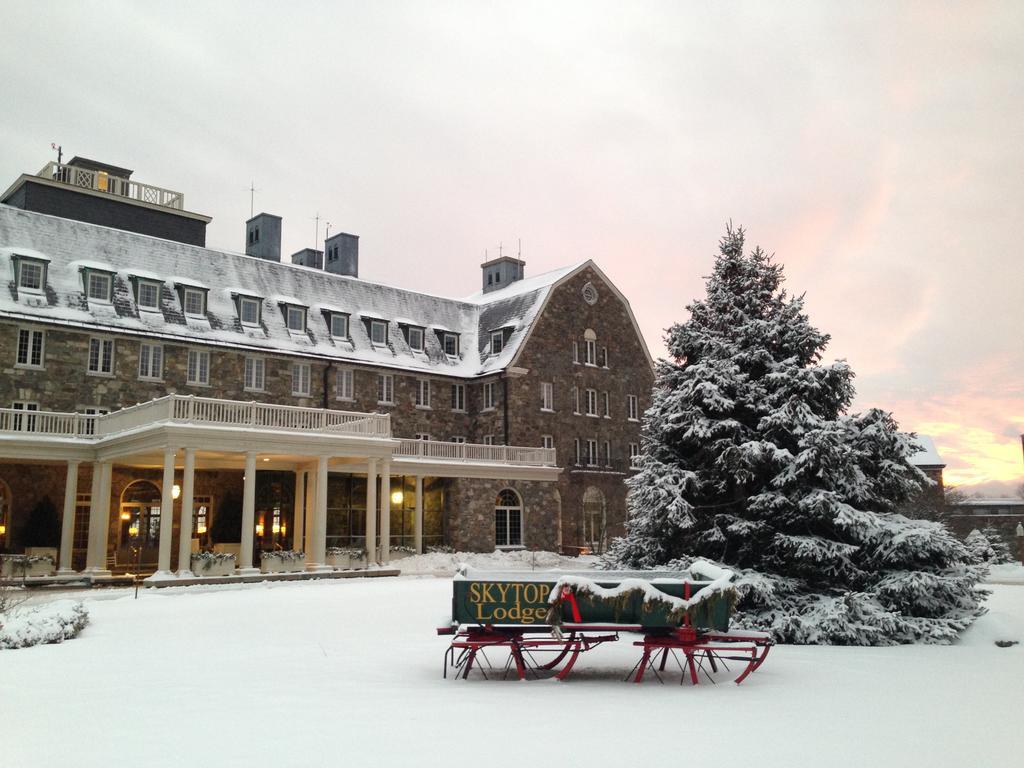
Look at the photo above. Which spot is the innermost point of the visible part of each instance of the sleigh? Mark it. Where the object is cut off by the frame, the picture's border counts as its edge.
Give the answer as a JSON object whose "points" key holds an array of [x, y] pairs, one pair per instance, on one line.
{"points": [[535, 625]]}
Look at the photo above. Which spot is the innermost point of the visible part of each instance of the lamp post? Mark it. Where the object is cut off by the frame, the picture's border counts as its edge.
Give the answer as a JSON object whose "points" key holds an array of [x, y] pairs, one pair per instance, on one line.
{"points": [[1020, 542]]}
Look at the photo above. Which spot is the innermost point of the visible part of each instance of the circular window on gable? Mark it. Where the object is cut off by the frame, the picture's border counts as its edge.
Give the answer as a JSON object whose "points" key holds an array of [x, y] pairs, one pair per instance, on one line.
{"points": [[590, 294]]}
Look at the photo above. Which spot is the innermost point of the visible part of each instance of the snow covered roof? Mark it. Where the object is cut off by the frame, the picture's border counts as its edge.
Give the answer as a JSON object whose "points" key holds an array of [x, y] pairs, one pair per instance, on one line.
{"points": [[70, 245], [928, 456]]}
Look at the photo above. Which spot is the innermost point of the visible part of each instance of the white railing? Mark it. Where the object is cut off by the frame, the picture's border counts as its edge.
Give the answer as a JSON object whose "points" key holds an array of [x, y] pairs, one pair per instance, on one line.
{"points": [[47, 423], [233, 413], [490, 454], [101, 181]]}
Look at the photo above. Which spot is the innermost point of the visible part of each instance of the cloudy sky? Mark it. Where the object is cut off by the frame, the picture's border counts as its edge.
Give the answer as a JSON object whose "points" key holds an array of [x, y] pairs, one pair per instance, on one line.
{"points": [[876, 148]]}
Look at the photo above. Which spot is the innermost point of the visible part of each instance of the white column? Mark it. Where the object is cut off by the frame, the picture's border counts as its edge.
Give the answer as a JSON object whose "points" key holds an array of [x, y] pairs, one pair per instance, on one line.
{"points": [[371, 511], [417, 523], [248, 513], [188, 477], [318, 532], [385, 512], [99, 519], [310, 517], [166, 513], [67, 523], [299, 513]]}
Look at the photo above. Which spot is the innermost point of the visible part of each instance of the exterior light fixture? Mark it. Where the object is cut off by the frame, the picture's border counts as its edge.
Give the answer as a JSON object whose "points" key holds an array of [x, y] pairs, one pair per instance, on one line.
{"points": [[133, 529], [126, 515], [259, 529], [175, 491], [396, 497]]}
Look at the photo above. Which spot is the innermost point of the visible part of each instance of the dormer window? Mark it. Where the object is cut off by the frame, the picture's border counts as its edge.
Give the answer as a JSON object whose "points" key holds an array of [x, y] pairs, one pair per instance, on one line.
{"points": [[31, 275], [148, 295], [450, 343], [378, 333], [193, 301], [248, 310], [339, 325], [415, 338], [497, 341], [296, 319], [97, 286]]}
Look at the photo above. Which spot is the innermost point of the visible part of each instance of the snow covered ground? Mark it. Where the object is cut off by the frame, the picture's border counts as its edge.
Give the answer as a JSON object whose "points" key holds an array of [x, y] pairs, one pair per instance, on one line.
{"points": [[349, 673]]}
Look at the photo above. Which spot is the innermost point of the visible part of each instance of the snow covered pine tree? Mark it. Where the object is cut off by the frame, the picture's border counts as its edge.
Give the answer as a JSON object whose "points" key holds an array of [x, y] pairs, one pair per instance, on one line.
{"points": [[750, 459]]}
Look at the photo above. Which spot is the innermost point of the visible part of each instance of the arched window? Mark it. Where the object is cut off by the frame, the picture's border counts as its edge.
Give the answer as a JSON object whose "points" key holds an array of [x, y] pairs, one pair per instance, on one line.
{"points": [[595, 520], [590, 348], [5, 514], [508, 519]]}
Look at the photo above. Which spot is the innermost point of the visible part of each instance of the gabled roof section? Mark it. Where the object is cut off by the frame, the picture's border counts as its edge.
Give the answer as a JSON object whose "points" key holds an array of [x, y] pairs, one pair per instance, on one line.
{"points": [[69, 244], [928, 456]]}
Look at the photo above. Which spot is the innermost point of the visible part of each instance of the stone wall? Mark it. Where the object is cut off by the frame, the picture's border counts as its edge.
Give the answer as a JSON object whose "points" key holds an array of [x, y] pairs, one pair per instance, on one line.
{"points": [[471, 518]]}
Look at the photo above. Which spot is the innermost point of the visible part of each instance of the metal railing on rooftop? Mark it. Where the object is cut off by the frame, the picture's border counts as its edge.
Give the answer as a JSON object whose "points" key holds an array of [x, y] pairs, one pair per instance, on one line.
{"points": [[101, 181]]}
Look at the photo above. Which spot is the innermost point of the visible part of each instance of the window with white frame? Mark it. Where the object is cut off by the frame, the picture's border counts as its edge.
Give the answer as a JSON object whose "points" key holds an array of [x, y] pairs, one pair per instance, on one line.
{"points": [[296, 319], [607, 405], [632, 408], [198, 371], [151, 361], [508, 520], [194, 302], [458, 397], [28, 423], [497, 341], [30, 348], [590, 347], [450, 342], [344, 384], [490, 397], [576, 352], [339, 325], [591, 453], [591, 402], [634, 453], [576, 400], [604, 357], [385, 389], [378, 332], [301, 374], [94, 410], [101, 357], [422, 398], [547, 396], [415, 339], [607, 453], [488, 439], [249, 310], [460, 439], [148, 295], [30, 275], [97, 286], [423, 436], [576, 450], [255, 370], [547, 441]]}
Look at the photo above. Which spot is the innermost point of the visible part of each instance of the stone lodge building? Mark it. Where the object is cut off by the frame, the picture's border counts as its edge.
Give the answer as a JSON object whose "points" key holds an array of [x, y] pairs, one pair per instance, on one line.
{"points": [[169, 398]]}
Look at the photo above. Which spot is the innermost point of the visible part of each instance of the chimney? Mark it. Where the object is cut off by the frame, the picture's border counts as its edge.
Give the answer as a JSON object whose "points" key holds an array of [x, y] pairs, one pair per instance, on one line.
{"points": [[341, 254], [309, 257], [501, 271], [263, 237]]}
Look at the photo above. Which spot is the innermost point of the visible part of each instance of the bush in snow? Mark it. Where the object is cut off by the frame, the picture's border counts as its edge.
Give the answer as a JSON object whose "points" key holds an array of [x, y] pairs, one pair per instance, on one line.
{"points": [[48, 623], [978, 547], [750, 459]]}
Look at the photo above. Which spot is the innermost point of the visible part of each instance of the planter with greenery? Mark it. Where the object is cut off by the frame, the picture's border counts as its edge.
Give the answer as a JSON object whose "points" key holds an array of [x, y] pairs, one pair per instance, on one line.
{"points": [[19, 566], [282, 561], [398, 552], [346, 557], [213, 564]]}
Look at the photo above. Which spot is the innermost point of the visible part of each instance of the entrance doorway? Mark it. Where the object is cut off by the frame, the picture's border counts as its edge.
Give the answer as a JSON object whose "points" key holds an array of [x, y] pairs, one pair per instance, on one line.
{"points": [[138, 539]]}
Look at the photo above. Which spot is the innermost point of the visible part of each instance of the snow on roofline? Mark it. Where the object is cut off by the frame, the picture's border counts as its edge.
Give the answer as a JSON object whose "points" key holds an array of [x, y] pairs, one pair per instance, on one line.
{"points": [[928, 456]]}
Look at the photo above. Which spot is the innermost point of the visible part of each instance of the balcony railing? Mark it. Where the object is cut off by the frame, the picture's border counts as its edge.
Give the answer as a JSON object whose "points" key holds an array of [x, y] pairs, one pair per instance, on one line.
{"points": [[47, 423], [496, 454], [235, 413], [100, 181]]}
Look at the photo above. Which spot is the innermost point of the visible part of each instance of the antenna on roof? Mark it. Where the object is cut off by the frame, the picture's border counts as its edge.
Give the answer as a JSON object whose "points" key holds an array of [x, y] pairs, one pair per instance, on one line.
{"points": [[316, 235], [519, 255], [499, 250], [59, 149], [252, 198]]}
